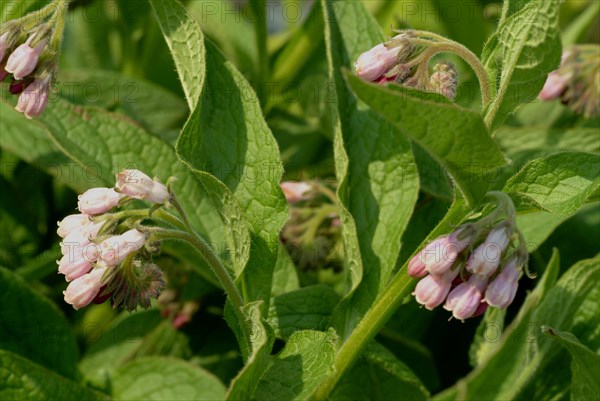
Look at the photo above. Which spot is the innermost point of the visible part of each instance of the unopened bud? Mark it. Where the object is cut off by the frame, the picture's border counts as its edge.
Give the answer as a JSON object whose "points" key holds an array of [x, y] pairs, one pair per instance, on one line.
{"points": [[554, 87], [374, 63], [24, 59], [34, 98], [98, 200], [115, 249], [443, 80], [501, 292], [138, 185], [432, 290], [295, 192], [486, 258], [440, 254], [464, 300], [82, 291]]}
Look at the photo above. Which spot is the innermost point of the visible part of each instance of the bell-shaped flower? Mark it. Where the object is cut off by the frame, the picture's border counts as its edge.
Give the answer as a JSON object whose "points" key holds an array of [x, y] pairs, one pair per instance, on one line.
{"points": [[82, 291], [373, 63], [295, 192], [73, 222], [486, 258], [431, 291], [502, 290], [440, 254], [554, 87], [138, 185], [98, 200], [73, 266], [34, 98], [464, 300], [115, 249], [24, 59]]}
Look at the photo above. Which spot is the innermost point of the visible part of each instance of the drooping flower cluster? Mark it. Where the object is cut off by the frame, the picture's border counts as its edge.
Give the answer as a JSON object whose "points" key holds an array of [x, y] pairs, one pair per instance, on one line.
{"points": [[399, 60], [476, 266], [312, 233], [29, 48], [103, 259], [577, 82]]}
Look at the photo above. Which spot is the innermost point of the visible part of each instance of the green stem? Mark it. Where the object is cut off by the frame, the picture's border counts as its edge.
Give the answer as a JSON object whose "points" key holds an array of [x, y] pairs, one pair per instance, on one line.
{"points": [[383, 308], [211, 258], [467, 55], [173, 200], [36, 16], [145, 214], [58, 19], [369, 326]]}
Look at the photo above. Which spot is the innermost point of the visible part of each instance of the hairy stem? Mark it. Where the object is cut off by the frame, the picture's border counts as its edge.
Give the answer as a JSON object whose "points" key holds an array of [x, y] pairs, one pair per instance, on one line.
{"points": [[468, 56]]}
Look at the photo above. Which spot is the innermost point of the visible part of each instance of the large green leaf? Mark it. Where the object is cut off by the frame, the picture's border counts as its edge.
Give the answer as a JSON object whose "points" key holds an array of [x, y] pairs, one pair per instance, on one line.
{"points": [[158, 110], [585, 367], [31, 142], [166, 379], [379, 375], [560, 183], [454, 136], [33, 326], [307, 308], [227, 137], [379, 182], [186, 42], [520, 54], [304, 362], [21, 379], [527, 364]]}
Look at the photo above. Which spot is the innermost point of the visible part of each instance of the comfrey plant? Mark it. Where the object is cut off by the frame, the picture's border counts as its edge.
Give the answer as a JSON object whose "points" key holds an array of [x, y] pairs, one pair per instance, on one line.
{"points": [[404, 59], [107, 254], [477, 265], [577, 82], [29, 52], [424, 209]]}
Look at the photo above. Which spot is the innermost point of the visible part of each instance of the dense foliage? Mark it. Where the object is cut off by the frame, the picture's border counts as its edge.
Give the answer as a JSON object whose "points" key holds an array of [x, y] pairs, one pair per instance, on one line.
{"points": [[289, 184]]}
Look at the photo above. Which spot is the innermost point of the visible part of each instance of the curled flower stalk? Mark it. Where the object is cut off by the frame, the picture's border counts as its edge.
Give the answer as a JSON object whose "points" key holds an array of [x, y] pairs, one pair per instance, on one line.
{"points": [[108, 254], [405, 58], [486, 257], [29, 51]]}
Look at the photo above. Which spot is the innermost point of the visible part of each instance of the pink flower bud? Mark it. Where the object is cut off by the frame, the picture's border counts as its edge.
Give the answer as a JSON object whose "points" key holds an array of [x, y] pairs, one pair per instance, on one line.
{"points": [[440, 254], [24, 59], [34, 98], [373, 63], [464, 300], [295, 191], [98, 200], [501, 292], [554, 87], [115, 249], [73, 268], [138, 185], [77, 245], [486, 258], [82, 291], [73, 222], [3, 46], [78, 223], [432, 290]]}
